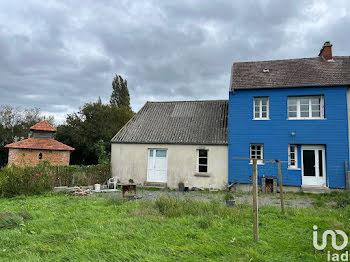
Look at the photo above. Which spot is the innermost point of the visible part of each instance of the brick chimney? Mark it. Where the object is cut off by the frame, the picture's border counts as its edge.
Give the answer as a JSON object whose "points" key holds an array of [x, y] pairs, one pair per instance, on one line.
{"points": [[326, 51]]}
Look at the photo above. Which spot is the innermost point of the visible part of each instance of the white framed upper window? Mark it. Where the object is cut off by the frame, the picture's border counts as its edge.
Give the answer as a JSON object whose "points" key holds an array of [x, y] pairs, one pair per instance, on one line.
{"points": [[261, 108], [292, 157], [306, 107], [257, 152], [202, 161]]}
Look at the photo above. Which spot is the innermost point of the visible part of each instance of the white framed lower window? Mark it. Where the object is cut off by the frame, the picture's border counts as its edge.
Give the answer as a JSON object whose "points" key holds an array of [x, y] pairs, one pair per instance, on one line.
{"points": [[292, 157], [257, 152]]}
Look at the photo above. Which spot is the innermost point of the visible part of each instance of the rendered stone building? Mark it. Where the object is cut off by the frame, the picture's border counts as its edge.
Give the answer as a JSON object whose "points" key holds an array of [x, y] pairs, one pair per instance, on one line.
{"points": [[168, 143]]}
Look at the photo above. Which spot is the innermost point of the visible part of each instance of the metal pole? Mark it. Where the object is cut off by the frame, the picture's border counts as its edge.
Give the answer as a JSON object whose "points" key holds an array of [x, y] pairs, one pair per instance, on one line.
{"points": [[281, 185], [255, 201]]}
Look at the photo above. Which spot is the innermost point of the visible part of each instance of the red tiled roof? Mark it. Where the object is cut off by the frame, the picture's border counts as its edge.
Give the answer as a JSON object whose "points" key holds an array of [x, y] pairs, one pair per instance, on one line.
{"points": [[43, 126], [47, 144]]}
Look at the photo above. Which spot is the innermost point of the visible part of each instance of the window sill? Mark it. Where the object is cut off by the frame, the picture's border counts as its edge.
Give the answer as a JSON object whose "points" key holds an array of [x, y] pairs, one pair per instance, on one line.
{"points": [[294, 168], [259, 164], [261, 119], [306, 118], [202, 174]]}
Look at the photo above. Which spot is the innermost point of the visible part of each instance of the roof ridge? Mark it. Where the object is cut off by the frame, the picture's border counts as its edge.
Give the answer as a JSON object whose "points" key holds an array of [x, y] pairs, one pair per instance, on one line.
{"points": [[189, 101], [288, 59], [277, 60], [43, 126]]}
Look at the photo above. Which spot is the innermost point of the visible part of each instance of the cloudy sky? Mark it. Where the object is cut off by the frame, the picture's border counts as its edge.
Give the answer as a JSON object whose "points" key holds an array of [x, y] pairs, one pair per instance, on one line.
{"points": [[58, 55]]}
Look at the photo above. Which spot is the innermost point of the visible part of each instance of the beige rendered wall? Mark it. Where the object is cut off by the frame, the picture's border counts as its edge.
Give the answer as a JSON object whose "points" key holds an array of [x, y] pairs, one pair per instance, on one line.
{"points": [[129, 161], [30, 157]]}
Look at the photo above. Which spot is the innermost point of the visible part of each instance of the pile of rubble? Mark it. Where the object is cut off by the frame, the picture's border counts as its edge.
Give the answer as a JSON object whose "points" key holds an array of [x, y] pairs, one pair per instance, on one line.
{"points": [[82, 192], [75, 191]]}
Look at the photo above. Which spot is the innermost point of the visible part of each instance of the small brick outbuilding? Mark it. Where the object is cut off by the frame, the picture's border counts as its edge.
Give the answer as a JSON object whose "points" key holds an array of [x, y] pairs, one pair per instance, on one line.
{"points": [[41, 146]]}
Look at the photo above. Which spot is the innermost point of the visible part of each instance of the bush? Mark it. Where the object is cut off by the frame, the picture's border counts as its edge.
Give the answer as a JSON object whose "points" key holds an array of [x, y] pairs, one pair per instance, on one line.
{"points": [[81, 175], [16, 180]]}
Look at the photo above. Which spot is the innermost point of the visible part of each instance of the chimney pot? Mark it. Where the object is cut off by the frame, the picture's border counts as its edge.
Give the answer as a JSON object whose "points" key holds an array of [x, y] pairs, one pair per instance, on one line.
{"points": [[326, 51]]}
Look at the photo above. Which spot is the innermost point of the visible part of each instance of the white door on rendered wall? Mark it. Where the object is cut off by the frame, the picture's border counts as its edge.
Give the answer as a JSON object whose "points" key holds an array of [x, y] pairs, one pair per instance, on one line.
{"points": [[157, 165]]}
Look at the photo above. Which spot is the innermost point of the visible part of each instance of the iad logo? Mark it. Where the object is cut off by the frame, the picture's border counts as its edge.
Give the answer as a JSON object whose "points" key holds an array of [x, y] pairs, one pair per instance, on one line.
{"points": [[335, 256]]}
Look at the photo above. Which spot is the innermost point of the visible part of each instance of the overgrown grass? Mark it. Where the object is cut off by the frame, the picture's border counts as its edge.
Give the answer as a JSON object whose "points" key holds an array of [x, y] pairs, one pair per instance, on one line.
{"points": [[67, 228], [173, 207], [10, 220], [335, 199], [151, 189]]}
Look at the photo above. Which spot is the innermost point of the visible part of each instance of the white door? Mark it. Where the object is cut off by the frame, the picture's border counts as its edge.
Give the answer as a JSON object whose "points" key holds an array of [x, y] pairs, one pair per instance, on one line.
{"points": [[157, 165], [313, 165]]}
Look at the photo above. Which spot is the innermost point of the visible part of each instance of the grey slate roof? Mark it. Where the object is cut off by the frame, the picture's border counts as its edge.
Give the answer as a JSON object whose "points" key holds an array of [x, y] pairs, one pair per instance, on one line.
{"points": [[179, 122], [303, 72]]}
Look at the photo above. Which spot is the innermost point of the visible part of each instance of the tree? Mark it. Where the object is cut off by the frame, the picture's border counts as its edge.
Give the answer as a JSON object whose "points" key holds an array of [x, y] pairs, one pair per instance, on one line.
{"points": [[120, 95], [94, 122], [103, 156]]}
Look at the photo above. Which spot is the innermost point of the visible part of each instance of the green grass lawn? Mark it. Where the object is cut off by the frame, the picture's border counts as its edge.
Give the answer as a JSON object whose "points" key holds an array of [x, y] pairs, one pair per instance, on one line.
{"points": [[66, 228]]}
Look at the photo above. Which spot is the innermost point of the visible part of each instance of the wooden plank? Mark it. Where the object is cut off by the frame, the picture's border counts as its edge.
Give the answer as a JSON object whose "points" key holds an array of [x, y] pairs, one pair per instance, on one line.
{"points": [[263, 160], [281, 185], [255, 202], [347, 181]]}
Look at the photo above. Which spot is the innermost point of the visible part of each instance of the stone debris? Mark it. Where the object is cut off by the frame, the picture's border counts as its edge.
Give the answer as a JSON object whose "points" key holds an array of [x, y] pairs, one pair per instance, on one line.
{"points": [[79, 191], [75, 191]]}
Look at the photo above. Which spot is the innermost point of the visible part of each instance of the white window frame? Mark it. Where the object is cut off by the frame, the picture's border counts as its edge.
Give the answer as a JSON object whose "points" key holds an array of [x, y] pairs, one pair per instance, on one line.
{"points": [[198, 164], [259, 100], [259, 162], [295, 166], [298, 98]]}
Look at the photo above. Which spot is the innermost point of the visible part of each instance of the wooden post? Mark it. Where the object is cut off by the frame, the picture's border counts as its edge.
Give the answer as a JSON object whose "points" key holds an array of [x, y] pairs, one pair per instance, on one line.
{"points": [[347, 181], [281, 185], [255, 201]]}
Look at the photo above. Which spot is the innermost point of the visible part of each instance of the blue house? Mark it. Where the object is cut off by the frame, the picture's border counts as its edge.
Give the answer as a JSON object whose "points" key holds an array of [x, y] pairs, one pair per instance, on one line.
{"points": [[294, 110]]}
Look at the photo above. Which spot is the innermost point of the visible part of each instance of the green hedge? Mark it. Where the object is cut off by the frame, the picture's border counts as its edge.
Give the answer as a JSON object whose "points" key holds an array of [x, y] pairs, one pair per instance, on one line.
{"points": [[15, 180], [81, 175]]}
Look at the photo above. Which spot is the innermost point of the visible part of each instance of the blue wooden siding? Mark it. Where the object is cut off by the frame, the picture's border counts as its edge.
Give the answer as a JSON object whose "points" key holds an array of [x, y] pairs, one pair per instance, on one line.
{"points": [[275, 133]]}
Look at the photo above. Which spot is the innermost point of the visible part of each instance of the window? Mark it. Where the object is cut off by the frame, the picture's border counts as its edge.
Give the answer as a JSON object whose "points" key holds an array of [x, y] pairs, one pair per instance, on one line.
{"points": [[306, 107], [160, 153], [202, 161], [261, 108], [257, 152], [40, 155], [292, 157]]}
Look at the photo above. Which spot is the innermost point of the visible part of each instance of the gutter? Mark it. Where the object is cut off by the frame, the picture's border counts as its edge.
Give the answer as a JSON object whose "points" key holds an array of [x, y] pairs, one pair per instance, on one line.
{"points": [[290, 86]]}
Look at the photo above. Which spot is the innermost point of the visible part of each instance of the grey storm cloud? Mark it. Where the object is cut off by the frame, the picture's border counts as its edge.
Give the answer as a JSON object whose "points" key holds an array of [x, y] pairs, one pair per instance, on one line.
{"points": [[58, 55]]}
